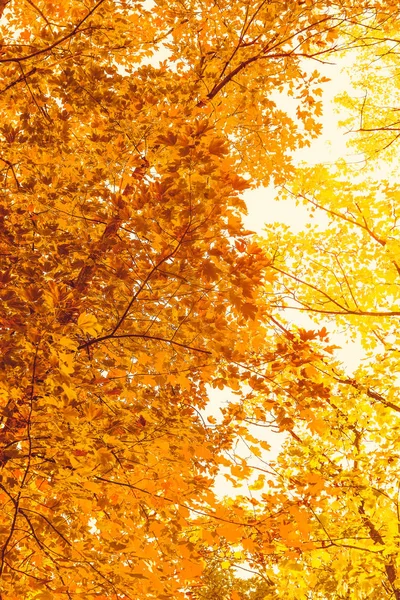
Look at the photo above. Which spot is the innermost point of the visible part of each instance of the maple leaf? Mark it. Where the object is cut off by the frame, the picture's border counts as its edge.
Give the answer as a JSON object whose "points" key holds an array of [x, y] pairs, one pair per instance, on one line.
{"points": [[218, 147], [129, 284]]}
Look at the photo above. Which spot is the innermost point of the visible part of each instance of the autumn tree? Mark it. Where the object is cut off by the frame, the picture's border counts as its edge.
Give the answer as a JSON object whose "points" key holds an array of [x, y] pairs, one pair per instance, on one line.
{"points": [[345, 475], [129, 282]]}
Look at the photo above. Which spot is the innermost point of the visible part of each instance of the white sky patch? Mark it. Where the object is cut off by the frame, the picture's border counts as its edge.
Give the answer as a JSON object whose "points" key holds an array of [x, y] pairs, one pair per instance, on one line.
{"points": [[264, 465], [263, 204], [265, 207]]}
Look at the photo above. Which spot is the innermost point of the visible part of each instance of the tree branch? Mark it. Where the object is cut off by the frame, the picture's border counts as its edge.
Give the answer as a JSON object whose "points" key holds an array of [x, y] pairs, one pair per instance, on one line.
{"points": [[112, 336], [57, 42]]}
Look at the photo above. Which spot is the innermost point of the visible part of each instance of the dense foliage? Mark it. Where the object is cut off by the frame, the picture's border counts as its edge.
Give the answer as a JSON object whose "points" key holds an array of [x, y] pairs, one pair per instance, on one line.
{"points": [[129, 287]]}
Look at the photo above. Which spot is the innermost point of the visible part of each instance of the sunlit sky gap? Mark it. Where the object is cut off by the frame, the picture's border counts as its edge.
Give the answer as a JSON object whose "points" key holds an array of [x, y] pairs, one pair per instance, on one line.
{"points": [[265, 208]]}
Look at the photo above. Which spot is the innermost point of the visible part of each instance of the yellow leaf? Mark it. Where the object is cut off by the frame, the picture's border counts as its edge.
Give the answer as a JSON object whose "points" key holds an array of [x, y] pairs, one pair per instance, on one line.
{"points": [[66, 363], [71, 393], [44, 596], [88, 323], [74, 462], [68, 343], [92, 486], [258, 484]]}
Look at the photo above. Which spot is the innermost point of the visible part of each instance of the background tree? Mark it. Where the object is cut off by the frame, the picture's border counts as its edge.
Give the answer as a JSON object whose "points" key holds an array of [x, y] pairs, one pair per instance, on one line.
{"points": [[347, 277]]}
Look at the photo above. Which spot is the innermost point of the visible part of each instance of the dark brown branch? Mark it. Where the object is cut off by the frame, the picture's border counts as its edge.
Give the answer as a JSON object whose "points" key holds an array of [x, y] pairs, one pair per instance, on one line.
{"points": [[22, 511], [111, 336], [146, 280], [265, 54], [343, 311], [368, 392], [27, 467], [37, 9], [240, 43], [57, 42], [22, 78], [11, 166]]}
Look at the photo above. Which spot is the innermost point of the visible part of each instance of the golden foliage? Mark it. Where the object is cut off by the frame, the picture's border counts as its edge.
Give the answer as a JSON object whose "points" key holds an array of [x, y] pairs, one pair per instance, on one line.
{"points": [[129, 285]]}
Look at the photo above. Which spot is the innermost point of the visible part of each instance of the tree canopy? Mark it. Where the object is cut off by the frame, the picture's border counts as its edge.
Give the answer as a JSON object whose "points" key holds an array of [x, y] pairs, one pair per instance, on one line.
{"points": [[130, 286]]}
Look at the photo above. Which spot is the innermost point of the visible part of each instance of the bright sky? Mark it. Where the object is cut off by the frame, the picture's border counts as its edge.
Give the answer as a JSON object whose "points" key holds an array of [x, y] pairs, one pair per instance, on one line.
{"points": [[329, 147], [264, 206]]}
